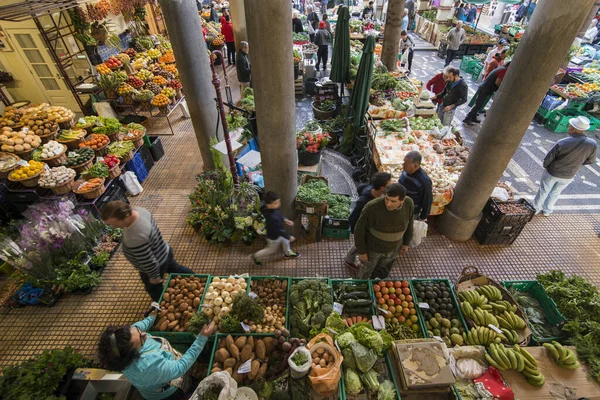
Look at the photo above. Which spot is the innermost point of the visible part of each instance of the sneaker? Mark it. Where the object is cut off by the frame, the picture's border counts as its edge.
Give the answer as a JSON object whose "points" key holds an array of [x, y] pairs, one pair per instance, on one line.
{"points": [[255, 260], [546, 214], [468, 122], [350, 265], [292, 255], [477, 121]]}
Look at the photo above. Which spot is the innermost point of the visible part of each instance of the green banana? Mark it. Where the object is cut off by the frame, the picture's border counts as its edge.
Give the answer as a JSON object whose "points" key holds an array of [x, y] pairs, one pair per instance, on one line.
{"points": [[553, 351], [528, 357], [493, 362], [520, 361], [512, 358]]}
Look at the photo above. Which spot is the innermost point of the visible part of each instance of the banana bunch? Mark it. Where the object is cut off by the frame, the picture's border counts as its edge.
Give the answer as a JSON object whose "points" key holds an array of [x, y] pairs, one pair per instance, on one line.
{"points": [[517, 359], [481, 336], [467, 309], [564, 358], [484, 318], [492, 293], [510, 320], [512, 336], [498, 307], [473, 298]]}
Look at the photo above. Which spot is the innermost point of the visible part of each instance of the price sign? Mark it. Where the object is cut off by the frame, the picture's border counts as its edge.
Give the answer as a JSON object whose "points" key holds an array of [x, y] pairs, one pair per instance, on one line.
{"points": [[424, 306], [338, 308], [310, 210], [439, 339], [81, 121], [245, 367], [378, 322], [25, 130], [46, 167], [245, 327], [386, 312], [72, 154], [23, 163], [99, 159], [252, 295], [495, 328]]}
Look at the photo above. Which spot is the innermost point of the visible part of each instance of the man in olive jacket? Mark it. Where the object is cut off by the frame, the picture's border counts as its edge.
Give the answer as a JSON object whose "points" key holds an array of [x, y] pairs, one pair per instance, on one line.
{"points": [[243, 66], [384, 227]]}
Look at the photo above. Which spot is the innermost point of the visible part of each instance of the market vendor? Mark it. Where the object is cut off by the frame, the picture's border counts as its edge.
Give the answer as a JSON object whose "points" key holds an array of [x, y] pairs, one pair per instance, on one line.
{"points": [[385, 227], [453, 96], [143, 245], [368, 11], [376, 189], [417, 183], [150, 363], [484, 93], [437, 84], [499, 48]]}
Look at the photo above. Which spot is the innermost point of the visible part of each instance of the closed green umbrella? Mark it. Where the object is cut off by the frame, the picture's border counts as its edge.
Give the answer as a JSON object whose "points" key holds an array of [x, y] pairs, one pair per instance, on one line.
{"points": [[478, 2], [359, 100], [340, 62]]}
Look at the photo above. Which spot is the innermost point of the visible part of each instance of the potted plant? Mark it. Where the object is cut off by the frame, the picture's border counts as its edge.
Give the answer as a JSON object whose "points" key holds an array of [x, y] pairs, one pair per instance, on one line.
{"points": [[335, 127], [323, 109], [297, 59], [312, 126], [309, 145]]}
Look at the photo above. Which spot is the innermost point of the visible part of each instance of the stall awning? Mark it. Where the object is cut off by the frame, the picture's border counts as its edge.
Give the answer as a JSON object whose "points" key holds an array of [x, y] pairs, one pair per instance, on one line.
{"points": [[27, 9]]}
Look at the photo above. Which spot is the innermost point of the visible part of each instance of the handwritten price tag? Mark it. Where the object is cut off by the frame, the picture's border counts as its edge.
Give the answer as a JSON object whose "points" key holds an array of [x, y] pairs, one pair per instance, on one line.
{"points": [[245, 367], [378, 322], [338, 308], [424, 306], [252, 295], [495, 328], [245, 327]]}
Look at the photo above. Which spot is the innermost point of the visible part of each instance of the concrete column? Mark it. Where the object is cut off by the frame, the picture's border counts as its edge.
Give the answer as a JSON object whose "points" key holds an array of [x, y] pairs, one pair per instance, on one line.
{"points": [[541, 50], [183, 23], [391, 36], [588, 19], [271, 48], [238, 20], [498, 13]]}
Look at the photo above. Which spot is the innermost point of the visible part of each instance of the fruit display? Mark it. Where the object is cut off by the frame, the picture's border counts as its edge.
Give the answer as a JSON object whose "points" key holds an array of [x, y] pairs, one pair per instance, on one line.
{"points": [[154, 53], [139, 64], [160, 100], [32, 169], [425, 124], [144, 95], [40, 123], [51, 149], [69, 135], [130, 52], [220, 295], [218, 42], [168, 92], [120, 149], [572, 90], [95, 141], [54, 114], [175, 84], [563, 357], [110, 82], [111, 161], [518, 359], [113, 63], [396, 303], [153, 87], [159, 80], [124, 58], [56, 176], [19, 142], [145, 75], [167, 58], [179, 303], [355, 297], [79, 156], [103, 69], [88, 186], [135, 82], [172, 68], [165, 74], [124, 89], [442, 317], [272, 294], [482, 336]]}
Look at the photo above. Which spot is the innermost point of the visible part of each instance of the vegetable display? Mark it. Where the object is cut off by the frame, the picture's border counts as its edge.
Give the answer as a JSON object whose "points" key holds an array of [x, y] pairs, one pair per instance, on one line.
{"points": [[95, 141], [272, 294], [220, 295], [69, 135], [107, 126], [535, 315], [425, 124], [51, 149], [56, 176], [120, 149], [25, 172], [180, 301], [110, 160], [98, 170], [249, 351], [88, 186], [79, 156], [311, 303], [355, 298], [316, 191], [393, 125], [321, 358], [396, 303], [18, 142]]}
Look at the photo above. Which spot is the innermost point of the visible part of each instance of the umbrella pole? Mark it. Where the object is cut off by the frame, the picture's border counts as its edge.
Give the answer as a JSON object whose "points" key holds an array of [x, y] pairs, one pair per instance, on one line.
{"points": [[478, 17]]}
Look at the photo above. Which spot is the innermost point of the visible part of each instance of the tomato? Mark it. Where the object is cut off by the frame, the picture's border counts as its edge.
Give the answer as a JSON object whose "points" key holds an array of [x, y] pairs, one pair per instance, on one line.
{"points": [[406, 290], [405, 284], [409, 298], [390, 284], [397, 284]]}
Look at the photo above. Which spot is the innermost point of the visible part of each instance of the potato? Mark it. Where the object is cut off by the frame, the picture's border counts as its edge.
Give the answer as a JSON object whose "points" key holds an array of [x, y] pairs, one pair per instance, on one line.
{"points": [[229, 340], [237, 377], [171, 309], [171, 317], [262, 370], [172, 324], [164, 325], [177, 315], [246, 352], [260, 349], [196, 302], [179, 297], [221, 355], [229, 363], [240, 342], [183, 307], [167, 296], [255, 366]]}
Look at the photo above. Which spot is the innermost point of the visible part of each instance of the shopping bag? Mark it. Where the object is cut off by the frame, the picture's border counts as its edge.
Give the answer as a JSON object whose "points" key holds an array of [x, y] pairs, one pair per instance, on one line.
{"points": [[131, 183], [419, 232], [325, 381], [404, 58], [223, 379], [298, 372]]}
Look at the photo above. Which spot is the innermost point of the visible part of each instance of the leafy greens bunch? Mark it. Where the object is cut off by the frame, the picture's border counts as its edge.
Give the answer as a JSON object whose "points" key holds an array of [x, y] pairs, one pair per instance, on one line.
{"points": [[311, 302]]}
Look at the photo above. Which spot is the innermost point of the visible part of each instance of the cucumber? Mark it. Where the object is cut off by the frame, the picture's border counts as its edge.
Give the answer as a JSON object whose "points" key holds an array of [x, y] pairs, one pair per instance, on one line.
{"points": [[357, 303], [354, 296]]}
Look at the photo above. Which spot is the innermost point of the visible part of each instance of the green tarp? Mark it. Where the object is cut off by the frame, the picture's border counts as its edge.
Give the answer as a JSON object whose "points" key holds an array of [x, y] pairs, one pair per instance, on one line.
{"points": [[340, 62]]}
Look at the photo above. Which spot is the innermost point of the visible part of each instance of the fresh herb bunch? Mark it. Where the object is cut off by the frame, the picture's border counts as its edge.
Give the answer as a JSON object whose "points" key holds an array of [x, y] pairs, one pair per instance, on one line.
{"points": [[236, 120], [316, 191], [98, 170], [100, 260], [230, 324], [393, 125], [74, 276], [300, 359], [245, 308], [197, 321]]}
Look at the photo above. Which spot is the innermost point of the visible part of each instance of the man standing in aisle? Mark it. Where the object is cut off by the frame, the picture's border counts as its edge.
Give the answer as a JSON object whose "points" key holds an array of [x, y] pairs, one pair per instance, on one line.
{"points": [[313, 22], [418, 184], [456, 37], [454, 95], [143, 245], [407, 44], [322, 39], [410, 6], [385, 227], [379, 182], [484, 93], [562, 163], [243, 66], [227, 31]]}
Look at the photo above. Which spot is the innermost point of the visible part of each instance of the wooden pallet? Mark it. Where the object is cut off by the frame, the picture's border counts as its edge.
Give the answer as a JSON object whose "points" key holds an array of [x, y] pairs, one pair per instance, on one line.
{"points": [[299, 85]]}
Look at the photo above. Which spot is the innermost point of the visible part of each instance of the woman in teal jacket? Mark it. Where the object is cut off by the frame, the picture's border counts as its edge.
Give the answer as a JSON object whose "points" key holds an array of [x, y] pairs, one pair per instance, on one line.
{"points": [[149, 362]]}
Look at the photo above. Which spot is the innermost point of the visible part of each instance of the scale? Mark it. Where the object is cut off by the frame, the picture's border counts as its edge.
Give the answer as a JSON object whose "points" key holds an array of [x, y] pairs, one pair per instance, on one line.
{"points": [[423, 108]]}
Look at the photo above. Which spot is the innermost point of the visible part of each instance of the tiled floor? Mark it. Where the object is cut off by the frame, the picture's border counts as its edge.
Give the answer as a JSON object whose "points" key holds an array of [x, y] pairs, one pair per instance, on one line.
{"points": [[569, 242]]}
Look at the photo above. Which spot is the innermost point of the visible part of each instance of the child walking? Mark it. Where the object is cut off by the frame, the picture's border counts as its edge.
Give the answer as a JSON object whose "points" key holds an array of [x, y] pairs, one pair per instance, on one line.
{"points": [[276, 235]]}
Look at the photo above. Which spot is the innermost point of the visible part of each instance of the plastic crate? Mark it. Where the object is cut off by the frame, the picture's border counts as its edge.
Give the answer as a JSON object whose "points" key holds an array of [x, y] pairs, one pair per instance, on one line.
{"points": [[336, 223], [220, 336], [551, 102], [115, 191], [287, 294], [156, 148], [491, 239], [390, 376], [536, 290], [455, 302], [181, 337], [146, 157], [492, 212], [337, 282], [335, 233], [467, 62], [476, 71], [138, 167], [559, 123], [545, 113]]}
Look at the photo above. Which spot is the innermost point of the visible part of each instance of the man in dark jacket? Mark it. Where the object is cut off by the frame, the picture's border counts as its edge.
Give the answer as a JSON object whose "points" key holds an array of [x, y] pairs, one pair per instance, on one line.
{"points": [[368, 11], [243, 66], [562, 164], [410, 6], [379, 182], [418, 184], [454, 95], [485, 92], [213, 13], [322, 39], [313, 21]]}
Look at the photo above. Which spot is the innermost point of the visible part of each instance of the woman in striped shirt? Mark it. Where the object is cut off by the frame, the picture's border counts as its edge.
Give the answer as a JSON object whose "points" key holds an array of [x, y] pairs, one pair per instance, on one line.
{"points": [[143, 245]]}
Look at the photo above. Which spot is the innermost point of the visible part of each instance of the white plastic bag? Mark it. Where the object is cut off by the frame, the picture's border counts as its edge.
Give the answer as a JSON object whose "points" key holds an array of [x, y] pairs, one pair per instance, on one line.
{"points": [[404, 58], [419, 232], [131, 183], [298, 372], [500, 194], [221, 378]]}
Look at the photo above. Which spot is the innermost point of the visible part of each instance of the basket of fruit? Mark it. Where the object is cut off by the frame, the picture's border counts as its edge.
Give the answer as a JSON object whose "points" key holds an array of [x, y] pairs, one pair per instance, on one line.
{"points": [[135, 133], [112, 162], [154, 54], [8, 163], [162, 102], [145, 98], [96, 142], [87, 123], [29, 175], [170, 93], [113, 63], [135, 82], [145, 75], [91, 189], [125, 90], [71, 138], [52, 153], [80, 159], [58, 179], [177, 86]]}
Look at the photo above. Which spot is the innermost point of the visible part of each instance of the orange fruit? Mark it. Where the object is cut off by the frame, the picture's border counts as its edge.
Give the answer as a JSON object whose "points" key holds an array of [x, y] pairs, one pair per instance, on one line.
{"points": [[406, 290]]}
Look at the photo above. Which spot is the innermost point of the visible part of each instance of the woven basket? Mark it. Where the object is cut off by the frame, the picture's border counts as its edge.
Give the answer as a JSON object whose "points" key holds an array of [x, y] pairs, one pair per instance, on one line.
{"points": [[58, 160], [100, 152], [29, 182], [136, 142], [92, 194], [4, 173], [127, 158], [71, 144], [24, 155], [114, 172], [67, 124], [471, 278], [114, 137], [82, 167], [64, 188], [48, 137]]}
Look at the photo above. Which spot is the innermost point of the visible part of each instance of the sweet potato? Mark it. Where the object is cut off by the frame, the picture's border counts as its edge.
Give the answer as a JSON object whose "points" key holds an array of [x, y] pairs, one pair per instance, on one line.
{"points": [[237, 377], [235, 352], [240, 342], [172, 324], [254, 370], [215, 369], [251, 341], [164, 325], [269, 343], [262, 370], [246, 353], [221, 355], [260, 349], [229, 363]]}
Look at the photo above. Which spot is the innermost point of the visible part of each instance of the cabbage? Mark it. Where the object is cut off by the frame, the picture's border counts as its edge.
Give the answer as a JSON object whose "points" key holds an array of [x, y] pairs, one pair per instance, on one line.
{"points": [[365, 358], [387, 391], [370, 380], [349, 361], [335, 322], [345, 340], [370, 338], [352, 383]]}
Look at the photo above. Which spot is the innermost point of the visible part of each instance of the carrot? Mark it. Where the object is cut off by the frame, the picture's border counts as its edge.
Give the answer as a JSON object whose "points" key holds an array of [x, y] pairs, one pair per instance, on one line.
{"points": [[346, 323], [355, 318], [350, 322]]}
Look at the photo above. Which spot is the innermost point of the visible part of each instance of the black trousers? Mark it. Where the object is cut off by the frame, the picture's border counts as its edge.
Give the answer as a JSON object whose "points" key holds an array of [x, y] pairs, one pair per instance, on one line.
{"points": [[322, 55], [479, 104], [411, 54], [231, 52], [170, 266], [450, 56]]}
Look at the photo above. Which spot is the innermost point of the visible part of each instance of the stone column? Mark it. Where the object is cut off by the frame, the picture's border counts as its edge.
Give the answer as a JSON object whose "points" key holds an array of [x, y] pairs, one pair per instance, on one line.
{"points": [[238, 20], [541, 50], [270, 40], [391, 36], [183, 23], [498, 13]]}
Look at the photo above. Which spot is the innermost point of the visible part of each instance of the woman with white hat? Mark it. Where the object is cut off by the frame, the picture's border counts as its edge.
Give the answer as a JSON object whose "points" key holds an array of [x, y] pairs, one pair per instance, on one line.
{"points": [[562, 164]]}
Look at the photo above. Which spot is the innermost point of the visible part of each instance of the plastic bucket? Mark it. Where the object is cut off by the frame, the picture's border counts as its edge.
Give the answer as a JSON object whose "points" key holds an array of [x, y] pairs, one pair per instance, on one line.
{"points": [[309, 85]]}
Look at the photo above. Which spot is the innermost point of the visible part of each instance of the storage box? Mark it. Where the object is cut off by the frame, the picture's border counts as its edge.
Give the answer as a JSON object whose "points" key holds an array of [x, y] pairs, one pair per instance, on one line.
{"points": [[335, 233], [138, 167], [156, 148]]}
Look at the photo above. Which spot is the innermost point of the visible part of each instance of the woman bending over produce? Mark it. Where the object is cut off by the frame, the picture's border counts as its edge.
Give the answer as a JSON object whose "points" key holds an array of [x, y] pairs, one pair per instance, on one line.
{"points": [[149, 362]]}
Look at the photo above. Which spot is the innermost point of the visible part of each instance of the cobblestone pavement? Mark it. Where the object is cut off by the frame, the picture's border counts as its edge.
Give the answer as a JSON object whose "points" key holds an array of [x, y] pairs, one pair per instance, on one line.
{"points": [[566, 241]]}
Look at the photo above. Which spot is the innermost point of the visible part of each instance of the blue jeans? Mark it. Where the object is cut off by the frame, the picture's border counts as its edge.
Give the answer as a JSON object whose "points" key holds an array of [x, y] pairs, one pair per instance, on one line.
{"points": [[550, 189]]}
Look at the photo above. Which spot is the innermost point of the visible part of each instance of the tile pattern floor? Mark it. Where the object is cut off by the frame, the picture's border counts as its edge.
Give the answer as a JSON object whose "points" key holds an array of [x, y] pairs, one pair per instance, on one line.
{"points": [[569, 242]]}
